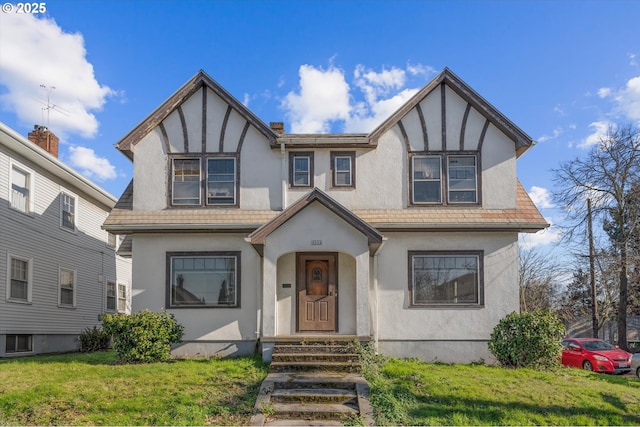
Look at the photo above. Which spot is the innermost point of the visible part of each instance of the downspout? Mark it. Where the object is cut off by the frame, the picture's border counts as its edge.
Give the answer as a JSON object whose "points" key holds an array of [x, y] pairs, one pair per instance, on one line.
{"points": [[283, 174]]}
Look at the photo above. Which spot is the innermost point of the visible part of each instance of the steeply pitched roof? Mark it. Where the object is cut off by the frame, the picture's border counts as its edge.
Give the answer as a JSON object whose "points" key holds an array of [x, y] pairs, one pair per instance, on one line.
{"points": [[201, 79], [521, 139], [258, 238]]}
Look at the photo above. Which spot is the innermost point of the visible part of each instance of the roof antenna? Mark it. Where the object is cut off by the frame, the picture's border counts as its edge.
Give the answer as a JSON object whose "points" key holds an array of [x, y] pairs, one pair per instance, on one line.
{"points": [[50, 106]]}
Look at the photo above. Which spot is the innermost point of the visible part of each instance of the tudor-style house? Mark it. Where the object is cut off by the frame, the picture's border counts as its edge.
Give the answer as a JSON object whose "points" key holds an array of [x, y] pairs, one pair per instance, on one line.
{"points": [[59, 271], [406, 236]]}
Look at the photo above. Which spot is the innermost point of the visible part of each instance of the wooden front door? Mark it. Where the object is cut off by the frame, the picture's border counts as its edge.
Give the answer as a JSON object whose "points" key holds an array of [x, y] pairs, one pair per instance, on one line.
{"points": [[317, 289]]}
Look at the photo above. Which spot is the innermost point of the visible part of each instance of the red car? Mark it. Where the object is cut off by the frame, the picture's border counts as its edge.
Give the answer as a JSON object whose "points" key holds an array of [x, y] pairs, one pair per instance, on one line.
{"points": [[595, 355]]}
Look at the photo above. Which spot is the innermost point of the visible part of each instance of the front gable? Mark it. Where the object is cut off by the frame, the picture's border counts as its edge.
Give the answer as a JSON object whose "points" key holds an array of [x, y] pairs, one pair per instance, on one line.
{"points": [[199, 117], [447, 115]]}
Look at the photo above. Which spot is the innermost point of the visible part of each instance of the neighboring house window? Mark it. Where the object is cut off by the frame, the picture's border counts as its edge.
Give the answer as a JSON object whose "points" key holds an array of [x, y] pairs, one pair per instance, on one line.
{"points": [[445, 278], [433, 175], [462, 179], [210, 279], [122, 297], [343, 169], [19, 279], [301, 169], [111, 296], [221, 181], [68, 211], [427, 179], [21, 189], [67, 287], [186, 182], [18, 343]]}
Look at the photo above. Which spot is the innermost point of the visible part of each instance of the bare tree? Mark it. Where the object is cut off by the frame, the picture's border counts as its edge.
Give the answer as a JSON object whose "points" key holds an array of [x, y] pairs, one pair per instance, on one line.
{"points": [[539, 279], [607, 176]]}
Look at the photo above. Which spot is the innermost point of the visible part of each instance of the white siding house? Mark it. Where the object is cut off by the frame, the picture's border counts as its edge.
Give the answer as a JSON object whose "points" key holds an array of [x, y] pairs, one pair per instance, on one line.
{"points": [[406, 236], [59, 271]]}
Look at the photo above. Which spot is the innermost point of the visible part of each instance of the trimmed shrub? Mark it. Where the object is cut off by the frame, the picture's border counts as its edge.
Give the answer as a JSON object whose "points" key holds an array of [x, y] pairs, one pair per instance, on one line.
{"points": [[528, 340], [145, 336], [94, 339]]}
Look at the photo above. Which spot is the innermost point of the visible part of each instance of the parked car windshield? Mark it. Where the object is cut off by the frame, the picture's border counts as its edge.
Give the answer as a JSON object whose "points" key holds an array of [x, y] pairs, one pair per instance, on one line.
{"points": [[597, 345]]}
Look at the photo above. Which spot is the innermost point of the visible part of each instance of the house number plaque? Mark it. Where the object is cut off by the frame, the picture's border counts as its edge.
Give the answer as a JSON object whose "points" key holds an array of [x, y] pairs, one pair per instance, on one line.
{"points": [[316, 243]]}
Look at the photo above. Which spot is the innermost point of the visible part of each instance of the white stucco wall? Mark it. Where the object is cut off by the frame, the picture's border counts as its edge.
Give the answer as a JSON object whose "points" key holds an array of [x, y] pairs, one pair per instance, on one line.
{"points": [[201, 324], [438, 328]]}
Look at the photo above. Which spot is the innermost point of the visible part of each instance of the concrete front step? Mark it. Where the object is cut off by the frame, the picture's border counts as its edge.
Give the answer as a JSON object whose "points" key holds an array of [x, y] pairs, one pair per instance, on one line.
{"points": [[315, 357], [330, 411], [302, 366], [313, 348], [315, 395]]}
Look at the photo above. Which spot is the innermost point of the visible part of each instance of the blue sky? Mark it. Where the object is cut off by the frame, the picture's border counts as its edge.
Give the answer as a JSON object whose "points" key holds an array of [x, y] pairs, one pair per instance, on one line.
{"points": [[560, 70]]}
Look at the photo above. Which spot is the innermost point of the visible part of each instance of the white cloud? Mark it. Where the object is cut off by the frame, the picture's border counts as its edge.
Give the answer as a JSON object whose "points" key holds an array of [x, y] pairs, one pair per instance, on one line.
{"points": [[633, 59], [628, 99], [556, 133], [541, 197], [325, 99], [37, 51], [603, 92], [544, 237], [90, 165], [600, 131]]}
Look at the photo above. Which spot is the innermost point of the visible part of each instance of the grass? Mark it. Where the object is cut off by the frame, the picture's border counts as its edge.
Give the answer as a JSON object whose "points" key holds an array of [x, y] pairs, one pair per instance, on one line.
{"points": [[91, 389], [411, 392]]}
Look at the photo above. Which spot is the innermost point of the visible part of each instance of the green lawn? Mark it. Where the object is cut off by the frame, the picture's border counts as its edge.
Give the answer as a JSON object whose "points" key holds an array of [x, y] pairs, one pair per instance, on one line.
{"points": [[417, 393], [91, 389]]}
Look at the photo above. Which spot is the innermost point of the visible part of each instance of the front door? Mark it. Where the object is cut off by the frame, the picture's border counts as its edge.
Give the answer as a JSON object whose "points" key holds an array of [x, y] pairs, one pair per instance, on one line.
{"points": [[317, 289]]}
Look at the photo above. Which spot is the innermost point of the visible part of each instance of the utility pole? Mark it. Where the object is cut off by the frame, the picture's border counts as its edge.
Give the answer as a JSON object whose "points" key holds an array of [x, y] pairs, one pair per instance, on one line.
{"points": [[592, 274]]}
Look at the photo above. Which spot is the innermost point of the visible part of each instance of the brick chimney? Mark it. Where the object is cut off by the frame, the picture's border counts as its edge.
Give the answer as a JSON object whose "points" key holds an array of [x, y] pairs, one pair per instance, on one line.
{"points": [[45, 139], [277, 127]]}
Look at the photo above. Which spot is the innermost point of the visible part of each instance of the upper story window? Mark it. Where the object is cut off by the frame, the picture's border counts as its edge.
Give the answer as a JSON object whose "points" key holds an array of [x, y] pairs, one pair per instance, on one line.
{"points": [[21, 189], [221, 181], [67, 282], [122, 298], [343, 169], [462, 179], [111, 296], [216, 176], [19, 273], [68, 211], [301, 169], [433, 175], [186, 182], [445, 278]]}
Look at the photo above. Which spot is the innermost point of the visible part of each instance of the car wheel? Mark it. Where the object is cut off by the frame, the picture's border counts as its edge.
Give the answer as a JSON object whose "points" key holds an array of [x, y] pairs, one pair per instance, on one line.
{"points": [[587, 366]]}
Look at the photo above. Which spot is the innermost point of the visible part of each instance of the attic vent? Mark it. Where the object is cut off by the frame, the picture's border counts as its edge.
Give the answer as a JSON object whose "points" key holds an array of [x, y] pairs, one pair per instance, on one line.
{"points": [[277, 127]]}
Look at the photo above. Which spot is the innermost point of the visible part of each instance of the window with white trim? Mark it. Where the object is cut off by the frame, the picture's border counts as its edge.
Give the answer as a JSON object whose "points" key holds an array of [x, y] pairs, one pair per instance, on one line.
{"points": [[67, 286], [67, 211], [427, 179], [445, 278], [221, 181], [343, 169], [122, 298], [21, 189], [18, 343], [112, 297], [210, 279], [186, 182], [19, 279], [301, 169], [462, 173]]}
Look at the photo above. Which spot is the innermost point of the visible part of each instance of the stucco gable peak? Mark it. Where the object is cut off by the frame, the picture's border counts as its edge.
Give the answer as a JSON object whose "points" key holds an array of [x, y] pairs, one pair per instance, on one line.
{"points": [[455, 83], [198, 81], [258, 237]]}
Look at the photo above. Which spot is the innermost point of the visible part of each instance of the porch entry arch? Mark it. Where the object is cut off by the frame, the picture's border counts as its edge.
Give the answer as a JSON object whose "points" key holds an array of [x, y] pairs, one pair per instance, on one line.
{"points": [[317, 291]]}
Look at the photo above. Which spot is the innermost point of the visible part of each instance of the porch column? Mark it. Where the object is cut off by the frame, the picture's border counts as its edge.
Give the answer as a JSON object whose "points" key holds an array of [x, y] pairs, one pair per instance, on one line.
{"points": [[363, 311], [269, 278]]}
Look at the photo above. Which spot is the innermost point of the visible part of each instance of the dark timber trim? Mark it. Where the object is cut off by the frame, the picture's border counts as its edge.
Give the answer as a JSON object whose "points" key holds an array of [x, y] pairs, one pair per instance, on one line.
{"points": [[423, 123], [204, 119], [185, 134], [464, 126], [224, 128]]}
